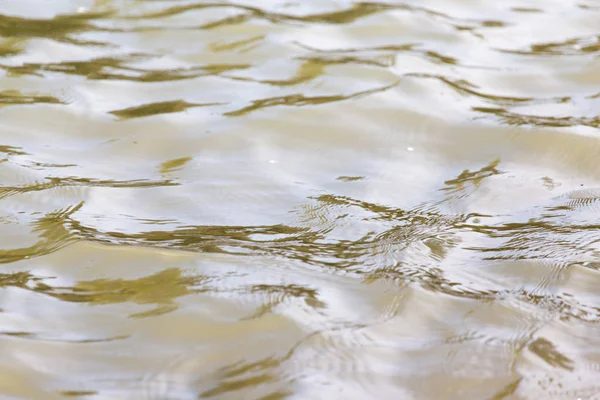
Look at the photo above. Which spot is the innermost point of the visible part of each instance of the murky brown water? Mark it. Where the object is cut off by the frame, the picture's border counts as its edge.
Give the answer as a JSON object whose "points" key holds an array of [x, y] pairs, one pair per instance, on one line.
{"points": [[300, 199]]}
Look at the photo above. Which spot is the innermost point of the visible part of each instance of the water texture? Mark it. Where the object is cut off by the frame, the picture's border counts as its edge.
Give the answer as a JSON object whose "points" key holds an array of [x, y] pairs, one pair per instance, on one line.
{"points": [[316, 199]]}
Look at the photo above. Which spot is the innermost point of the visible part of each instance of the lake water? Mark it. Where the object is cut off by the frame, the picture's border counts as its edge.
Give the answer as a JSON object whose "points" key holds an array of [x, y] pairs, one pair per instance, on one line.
{"points": [[316, 199]]}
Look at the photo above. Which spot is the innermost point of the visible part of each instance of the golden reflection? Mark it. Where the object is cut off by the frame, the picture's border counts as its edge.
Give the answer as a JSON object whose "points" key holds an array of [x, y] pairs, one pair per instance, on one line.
{"points": [[164, 107], [350, 178], [78, 393], [160, 290], [508, 391], [111, 68], [467, 88], [486, 245], [238, 45], [12, 151], [571, 47], [234, 20], [59, 28], [357, 11], [513, 118], [309, 70], [174, 165], [277, 294], [547, 352], [10, 47], [474, 177], [14, 97], [247, 375], [6, 191], [298, 100], [53, 232]]}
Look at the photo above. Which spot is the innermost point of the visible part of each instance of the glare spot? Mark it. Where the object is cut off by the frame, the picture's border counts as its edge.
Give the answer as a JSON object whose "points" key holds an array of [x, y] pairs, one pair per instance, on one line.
{"points": [[410, 149]]}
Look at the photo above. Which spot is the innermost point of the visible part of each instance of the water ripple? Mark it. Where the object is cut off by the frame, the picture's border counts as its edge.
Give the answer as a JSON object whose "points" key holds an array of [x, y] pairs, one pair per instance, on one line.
{"points": [[269, 199]]}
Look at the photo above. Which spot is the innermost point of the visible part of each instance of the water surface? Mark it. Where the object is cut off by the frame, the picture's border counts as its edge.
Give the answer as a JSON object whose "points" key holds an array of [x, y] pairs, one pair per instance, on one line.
{"points": [[300, 199]]}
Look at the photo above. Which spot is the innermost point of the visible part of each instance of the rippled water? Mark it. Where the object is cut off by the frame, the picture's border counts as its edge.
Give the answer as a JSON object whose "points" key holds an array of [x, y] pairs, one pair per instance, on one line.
{"points": [[300, 199]]}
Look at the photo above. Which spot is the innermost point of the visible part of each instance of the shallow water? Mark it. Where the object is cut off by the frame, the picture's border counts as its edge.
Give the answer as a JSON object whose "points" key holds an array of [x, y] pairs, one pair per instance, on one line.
{"points": [[300, 200]]}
